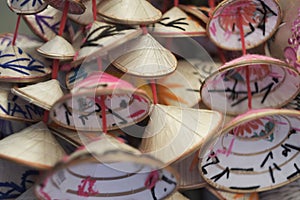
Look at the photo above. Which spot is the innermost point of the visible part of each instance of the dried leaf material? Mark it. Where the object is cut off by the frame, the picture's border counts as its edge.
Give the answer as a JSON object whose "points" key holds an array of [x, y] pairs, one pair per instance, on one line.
{"points": [[176, 23], [26, 6], [57, 48], [134, 12], [103, 37], [43, 94], [116, 169], [173, 133], [145, 57], [34, 146], [75, 6], [18, 66]]}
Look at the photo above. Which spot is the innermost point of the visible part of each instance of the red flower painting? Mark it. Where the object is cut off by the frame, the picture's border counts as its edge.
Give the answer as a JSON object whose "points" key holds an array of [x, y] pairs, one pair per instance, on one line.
{"points": [[229, 19], [247, 127]]}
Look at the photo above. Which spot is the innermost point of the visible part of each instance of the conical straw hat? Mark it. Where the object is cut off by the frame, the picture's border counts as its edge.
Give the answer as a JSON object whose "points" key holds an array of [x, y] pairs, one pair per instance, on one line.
{"points": [[46, 23], [77, 74], [26, 6], [28, 194], [34, 146], [290, 191], [195, 11], [14, 108], [27, 43], [70, 136], [223, 26], [85, 18], [176, 23], [177, 196], [273, 84], [294, 104], [145, 57], [190, 177], [18, 66], [75, 6], [129, 11], [184, 93], [99, 79], [173, 133], [104, 37], [57, 48], [4, 92], [81, 110], [118, 170], [256, 151], [16, 179], [239, 196], [43, 94]]}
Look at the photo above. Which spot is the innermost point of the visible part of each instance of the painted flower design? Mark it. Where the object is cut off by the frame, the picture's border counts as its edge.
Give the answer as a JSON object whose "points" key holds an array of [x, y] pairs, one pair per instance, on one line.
{"points": [[248, 127], [229, 19]]}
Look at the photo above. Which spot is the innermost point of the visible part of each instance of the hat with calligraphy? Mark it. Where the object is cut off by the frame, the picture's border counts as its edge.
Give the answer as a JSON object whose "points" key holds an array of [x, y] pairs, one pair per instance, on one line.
{"points": [[42, 94], [198, 12], [34, 146], [103, 37], [74, 7], [176, 23], [108, 169], [28, 44], [14, 108], [124, 105], [16, 179], [18, 66], [184, 93], [173, 133], [46, 23], [133, 12], [272, 84], [256, 151], [259, 19], [26, 6], [144, 57]]}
